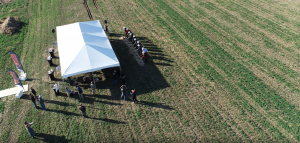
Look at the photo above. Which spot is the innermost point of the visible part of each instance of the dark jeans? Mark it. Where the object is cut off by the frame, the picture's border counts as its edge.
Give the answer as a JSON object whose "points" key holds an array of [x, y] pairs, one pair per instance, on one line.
{"points": [[43, 105], [145, 60], [34, 105], [83, 114], [134, 99]]}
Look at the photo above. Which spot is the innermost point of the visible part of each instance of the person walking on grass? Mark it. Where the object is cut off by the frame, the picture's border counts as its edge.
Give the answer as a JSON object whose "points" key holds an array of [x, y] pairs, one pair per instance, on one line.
{"points": [[82, 109], [80, 92], [123, 90], [106, 29], [31, 97], [133, 95], [40, 99], [93, 87], [29, 129]]}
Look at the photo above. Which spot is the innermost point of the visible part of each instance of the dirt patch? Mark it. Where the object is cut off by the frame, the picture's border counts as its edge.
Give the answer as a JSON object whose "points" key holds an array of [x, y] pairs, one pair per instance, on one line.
{"points": [[10, 26]]}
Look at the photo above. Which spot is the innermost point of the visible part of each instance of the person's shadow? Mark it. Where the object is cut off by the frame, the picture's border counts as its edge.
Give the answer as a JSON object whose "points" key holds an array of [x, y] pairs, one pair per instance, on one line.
{"points": [[51, 138]]}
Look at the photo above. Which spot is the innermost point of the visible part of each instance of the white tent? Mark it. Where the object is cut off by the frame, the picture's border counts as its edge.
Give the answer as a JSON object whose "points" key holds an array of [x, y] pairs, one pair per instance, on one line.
{"points": [[84, 47]]}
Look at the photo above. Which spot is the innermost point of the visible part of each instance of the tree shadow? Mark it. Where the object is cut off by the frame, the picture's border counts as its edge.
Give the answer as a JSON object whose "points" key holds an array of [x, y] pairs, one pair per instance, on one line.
{"points": [[109, 120], [156, 105], [51, 138]]}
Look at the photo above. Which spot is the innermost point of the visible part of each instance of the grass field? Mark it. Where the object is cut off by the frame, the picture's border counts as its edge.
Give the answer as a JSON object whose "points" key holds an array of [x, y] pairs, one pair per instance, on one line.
{"points": [[219, 71]]}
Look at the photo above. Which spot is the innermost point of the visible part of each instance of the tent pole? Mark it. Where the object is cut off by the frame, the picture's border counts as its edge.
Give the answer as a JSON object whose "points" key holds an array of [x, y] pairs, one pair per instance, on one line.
{"points": [[64, 83]]}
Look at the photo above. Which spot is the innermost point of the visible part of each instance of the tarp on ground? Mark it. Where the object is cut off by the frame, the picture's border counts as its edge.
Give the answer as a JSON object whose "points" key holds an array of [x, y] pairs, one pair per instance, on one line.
{"points": [[84, 47]]}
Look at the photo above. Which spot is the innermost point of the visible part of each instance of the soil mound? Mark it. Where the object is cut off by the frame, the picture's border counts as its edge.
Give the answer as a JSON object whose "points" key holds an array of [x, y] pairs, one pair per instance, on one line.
{"points": [[9, 26]]}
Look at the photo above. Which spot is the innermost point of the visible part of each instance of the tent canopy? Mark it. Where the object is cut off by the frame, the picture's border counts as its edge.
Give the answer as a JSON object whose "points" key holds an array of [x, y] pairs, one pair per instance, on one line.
{"points": [[84, 47]]}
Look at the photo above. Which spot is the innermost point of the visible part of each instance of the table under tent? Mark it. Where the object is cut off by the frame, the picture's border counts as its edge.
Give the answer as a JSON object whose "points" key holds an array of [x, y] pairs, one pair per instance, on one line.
{"points": [[84, 48]]}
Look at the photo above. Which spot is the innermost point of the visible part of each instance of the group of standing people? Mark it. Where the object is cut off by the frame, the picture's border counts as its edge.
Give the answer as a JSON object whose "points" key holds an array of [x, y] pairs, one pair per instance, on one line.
{"points": [[33, 98], [136, 44]]}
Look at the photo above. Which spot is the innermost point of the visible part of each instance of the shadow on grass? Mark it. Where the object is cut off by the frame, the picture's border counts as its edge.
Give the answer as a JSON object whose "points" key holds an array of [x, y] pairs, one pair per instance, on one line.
{"points": [[64, 112], [60, 103], [145, 79], [156, 105], [51, 138], [109, 120]]}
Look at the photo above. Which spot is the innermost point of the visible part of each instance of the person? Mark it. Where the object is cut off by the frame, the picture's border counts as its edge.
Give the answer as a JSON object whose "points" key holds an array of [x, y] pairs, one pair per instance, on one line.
{"points": [[145, 57], [32, 91], [133, 95], [52, 30], [33, 100], [123, 90], [42, 102], [133, 40], [106, 29], [91, 77], [93, 87], [80, 92], [144, 50], [125, 30], [75, 82], [29, 129], [82, 109], [84, 79], [69, 80], [69, 92], [123, 78], [136, 44], [131, 36], [139, 49], [115, 77]]}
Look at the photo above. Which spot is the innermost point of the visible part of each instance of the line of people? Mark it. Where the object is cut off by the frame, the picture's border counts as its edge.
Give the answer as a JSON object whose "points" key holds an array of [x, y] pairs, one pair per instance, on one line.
{"points": [[136, 44]]}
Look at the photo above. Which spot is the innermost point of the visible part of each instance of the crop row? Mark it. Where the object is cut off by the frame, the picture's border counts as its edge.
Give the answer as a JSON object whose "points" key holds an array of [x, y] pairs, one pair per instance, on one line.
{"points": [[245, 76]]}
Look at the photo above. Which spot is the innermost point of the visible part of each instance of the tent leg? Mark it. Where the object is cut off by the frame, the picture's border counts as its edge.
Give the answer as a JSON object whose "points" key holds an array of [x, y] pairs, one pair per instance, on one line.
{"points": [[64, 83]]}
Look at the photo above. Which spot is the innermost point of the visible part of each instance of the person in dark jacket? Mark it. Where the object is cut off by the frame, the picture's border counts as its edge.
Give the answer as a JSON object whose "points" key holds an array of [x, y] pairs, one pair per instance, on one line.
{"points": [[69, 80], [32, 91], [33, 100], [80, 92], [82, 109], [29, 129], [106, 29], [123, 90], [42, 102], [133, 95]]}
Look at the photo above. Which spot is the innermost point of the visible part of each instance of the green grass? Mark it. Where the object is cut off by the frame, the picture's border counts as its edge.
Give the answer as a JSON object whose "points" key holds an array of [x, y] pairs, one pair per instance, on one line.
{"points": [[219, 71]]}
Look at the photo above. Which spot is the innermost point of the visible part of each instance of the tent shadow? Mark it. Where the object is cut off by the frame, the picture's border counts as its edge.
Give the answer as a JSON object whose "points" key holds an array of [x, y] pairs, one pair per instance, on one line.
{"points": [[51, 138], [145, 79], [109, 120]]}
